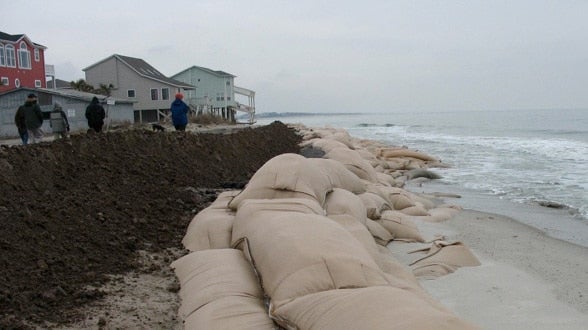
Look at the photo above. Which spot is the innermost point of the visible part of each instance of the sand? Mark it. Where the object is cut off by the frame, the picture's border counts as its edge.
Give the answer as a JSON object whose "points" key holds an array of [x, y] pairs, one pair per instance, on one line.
{"points": [[527, 280]]}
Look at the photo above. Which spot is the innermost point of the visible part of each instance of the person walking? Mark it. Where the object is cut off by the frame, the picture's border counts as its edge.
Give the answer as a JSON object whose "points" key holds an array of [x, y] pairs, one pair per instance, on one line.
{"points": [[95, 115], [179, 111], [19, 121], [58, 121], [33, 118]]}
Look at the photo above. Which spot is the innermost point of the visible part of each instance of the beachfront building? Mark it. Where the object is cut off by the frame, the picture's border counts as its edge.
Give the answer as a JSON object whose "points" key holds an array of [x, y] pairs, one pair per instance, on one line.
{"points": [[138, 81], [119, 111], [215, 93], [22, 62]]}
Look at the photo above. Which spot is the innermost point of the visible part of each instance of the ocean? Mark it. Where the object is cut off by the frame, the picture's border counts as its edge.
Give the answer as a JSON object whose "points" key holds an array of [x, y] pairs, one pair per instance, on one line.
{"points": [[514, 163]]}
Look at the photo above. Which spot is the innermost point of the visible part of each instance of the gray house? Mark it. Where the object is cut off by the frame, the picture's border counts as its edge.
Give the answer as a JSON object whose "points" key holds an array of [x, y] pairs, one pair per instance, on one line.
{"points": [[74, 104], [216, 92], [135, 79]]}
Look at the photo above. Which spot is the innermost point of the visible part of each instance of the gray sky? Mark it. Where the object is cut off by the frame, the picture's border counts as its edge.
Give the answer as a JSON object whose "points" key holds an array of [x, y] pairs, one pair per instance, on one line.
{"points": [[335, 56]]}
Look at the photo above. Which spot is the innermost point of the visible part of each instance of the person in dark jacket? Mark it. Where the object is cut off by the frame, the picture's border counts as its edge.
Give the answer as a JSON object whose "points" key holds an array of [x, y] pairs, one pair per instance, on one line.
{"points": [[58, 121], [33, 118], [179, 111], [19, 121], [95, 115]]}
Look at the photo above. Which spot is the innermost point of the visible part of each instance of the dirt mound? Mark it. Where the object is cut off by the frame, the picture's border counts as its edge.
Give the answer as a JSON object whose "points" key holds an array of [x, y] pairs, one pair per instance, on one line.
{"points": [[73, 211]]}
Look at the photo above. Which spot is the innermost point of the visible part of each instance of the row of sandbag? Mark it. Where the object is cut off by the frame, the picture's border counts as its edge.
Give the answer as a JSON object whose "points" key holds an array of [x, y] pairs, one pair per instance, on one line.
{"points": [[305, 254]]}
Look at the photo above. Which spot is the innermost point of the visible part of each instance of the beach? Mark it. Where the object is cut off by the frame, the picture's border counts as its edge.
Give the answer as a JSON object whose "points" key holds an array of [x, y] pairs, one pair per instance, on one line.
{"points": [[525, 280]]}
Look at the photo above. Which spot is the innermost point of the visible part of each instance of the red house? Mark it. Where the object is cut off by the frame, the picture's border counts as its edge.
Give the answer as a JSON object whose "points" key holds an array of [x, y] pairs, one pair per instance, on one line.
{"points": [[22, 62]]}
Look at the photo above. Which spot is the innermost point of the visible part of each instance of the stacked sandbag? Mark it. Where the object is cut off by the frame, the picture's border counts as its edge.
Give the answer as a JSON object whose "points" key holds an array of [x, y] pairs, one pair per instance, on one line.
{"points": [[303, 244], [294, 176], [219, 290]]}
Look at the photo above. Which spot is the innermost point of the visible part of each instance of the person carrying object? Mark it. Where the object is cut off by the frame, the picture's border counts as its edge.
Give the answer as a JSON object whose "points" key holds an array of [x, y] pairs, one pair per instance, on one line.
{"points": [[58, 121]]}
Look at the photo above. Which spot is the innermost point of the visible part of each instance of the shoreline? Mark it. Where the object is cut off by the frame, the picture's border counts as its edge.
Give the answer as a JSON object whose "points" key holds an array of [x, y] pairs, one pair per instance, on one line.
{"points": [[527, 279], [554, 223]]}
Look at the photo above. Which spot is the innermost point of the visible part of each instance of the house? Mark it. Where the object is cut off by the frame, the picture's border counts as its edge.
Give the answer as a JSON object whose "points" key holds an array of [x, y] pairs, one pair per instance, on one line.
{"points": [[74, 104], [22, 62], [215, 92], [135, 79]]}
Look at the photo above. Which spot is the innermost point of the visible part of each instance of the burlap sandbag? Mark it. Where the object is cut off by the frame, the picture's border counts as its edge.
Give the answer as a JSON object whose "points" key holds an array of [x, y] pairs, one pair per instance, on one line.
{"points": [[206, 276], [380, 234], [395, 153], [374, 205], [297, 254], [234, 312], [397, 198], [443, 258], [385, 179], [442, 213], [210, 229], [325, 145], [382, 307], [223, 199], [258, 207], [359, 231], [338, 175], [416, 210], [290, 173], [340, 201], [402, 228], [354, 162]]}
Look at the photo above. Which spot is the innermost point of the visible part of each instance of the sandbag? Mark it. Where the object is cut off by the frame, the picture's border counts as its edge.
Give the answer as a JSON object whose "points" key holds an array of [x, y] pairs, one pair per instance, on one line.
{"points": [[297, 254], [325, 145], [206, 276], [394, 153], [400, 227], [359, 231], [443, 258], [416, 210], [374, 204], [223, 199], [260, 207], [338, 175], [340, 201], [234, 312], [382, 307], [290, 173], [380, 234], [353, 162], [210, 229]]}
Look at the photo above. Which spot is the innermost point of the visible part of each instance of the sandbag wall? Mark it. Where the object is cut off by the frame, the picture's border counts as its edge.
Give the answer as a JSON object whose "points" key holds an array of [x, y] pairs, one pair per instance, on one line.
{"points": [[303, 245]]}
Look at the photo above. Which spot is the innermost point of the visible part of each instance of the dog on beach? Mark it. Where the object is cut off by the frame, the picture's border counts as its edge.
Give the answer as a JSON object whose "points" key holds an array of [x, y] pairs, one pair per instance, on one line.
{"points": [[157, 127]]}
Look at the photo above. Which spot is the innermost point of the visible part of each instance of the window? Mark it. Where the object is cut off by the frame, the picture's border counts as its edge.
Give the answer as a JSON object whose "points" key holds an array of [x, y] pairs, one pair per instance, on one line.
{"points": [[24, 56], [10, 56], [37, 55], [154, 94], [2, 58], [38, 83], [17, 82], [131, 93], [228, 83], [165, 93], [4, 81]]}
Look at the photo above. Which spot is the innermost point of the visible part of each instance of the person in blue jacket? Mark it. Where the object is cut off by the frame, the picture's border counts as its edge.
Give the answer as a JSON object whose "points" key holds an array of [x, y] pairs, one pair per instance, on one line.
{"points": [[179, 111]]}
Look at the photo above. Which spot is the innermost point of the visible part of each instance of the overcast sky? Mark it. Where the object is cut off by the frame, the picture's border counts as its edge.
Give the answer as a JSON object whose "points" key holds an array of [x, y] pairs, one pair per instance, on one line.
{"points": [[335, 56]]}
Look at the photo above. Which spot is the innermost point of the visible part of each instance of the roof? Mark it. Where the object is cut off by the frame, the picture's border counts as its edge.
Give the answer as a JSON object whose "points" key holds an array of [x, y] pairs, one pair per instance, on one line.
{"points": [[145, 70], [70, 93], [60, 84], [16, 37], [213, 72]]}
